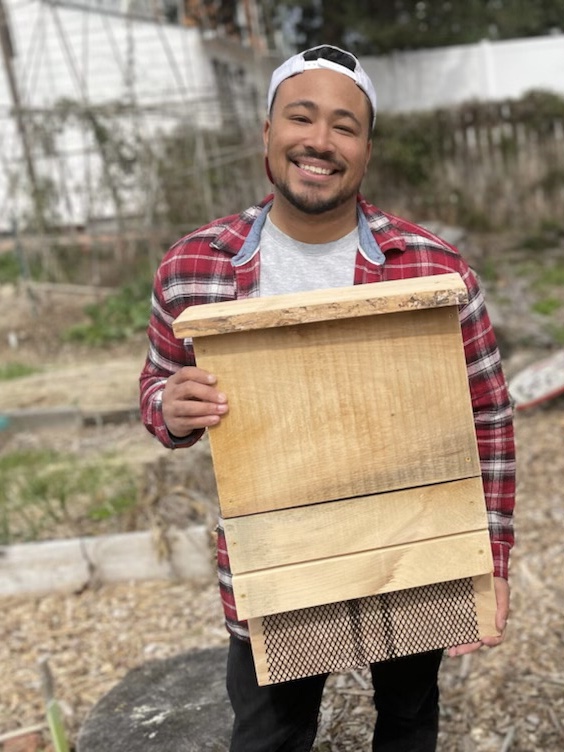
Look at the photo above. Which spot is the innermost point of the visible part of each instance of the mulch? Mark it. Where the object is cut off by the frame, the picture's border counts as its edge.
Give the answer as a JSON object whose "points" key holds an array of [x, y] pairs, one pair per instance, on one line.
{"points": [[507, 699]]}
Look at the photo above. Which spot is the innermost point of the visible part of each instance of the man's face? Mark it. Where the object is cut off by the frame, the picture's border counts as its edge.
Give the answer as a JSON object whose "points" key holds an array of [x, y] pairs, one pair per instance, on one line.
{"points": [[317, 140]]}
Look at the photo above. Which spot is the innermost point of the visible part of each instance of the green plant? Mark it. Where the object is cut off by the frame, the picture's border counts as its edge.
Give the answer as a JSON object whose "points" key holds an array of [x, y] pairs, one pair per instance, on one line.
{"points": [[116, 318], [547, 306], [550, 276], [488, 270], [547, 235], [9, 268], [16, 371], [41, 490], [557, 334], [473, 218], [52, 709], [115, 505], [409, 145], [536, 242]]}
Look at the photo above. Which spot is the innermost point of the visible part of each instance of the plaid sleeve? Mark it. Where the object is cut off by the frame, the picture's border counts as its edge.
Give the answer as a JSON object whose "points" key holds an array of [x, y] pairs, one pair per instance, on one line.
{"points": [[166, 355], [493, 418], [192, 272]]}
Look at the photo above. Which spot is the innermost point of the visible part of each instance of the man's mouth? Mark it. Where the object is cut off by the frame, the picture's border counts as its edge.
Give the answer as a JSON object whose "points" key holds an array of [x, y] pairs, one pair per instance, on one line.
{"points": [[315, 170]]}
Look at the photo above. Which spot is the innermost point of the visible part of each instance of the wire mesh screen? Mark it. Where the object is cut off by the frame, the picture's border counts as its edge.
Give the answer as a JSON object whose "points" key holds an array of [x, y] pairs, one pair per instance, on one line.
{"points": [[352, 634]]}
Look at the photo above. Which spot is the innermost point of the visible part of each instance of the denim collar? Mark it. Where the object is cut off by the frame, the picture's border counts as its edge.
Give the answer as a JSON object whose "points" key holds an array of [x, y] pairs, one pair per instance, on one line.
{"points": [[368, 244]]}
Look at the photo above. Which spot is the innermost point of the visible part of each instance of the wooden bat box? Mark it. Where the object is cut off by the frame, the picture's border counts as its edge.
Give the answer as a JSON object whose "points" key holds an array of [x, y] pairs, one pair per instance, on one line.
{"points": [[347, 472]]}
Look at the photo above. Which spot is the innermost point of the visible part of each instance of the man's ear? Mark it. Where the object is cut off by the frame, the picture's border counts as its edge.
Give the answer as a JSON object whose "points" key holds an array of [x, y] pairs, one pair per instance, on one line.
{"points": [[267, 169], [265, 134], [368, 155]]}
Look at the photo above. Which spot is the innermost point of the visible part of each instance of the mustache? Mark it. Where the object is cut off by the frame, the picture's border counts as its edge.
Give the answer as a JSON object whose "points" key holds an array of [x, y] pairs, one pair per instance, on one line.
{"points": [[311, 153]]}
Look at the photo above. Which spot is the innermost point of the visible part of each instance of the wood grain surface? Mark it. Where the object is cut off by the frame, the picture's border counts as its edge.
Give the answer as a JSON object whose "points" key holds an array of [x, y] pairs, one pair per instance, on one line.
{"points": [[314, 583], [321, 305], [341, 408]]}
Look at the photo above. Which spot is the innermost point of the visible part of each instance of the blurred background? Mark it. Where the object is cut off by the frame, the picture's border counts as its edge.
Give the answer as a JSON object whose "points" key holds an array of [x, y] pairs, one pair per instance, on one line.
{"points": [[130, 123]]}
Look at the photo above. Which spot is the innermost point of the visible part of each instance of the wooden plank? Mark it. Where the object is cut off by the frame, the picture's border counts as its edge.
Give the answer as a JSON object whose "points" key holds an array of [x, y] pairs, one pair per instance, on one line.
{"points": [[486, 604], [321, 531], [320, 305], [358, 575], [258, 645], [338, 409]]}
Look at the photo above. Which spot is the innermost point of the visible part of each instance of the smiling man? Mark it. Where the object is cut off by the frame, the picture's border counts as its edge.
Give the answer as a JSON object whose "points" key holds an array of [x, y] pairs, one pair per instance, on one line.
{"points": [[316, 231], [318, 143]]}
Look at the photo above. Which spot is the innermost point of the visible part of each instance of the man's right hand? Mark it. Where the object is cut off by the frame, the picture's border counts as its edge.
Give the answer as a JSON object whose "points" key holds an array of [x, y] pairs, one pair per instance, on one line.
{"points": [[191, 401]]}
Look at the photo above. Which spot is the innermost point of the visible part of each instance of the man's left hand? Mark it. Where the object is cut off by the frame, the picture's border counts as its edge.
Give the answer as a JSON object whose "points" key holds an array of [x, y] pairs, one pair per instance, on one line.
{"points": [[501, 587]]}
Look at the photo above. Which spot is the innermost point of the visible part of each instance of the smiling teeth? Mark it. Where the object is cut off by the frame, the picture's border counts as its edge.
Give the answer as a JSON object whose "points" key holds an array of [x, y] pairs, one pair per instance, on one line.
{"points": [[316, 170]]}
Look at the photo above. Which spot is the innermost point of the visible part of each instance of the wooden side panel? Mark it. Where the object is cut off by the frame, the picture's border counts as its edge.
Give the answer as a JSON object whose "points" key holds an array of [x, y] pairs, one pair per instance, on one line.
{"points": [[412, 294], [339, 409], [320, 531], [314, 583], [259, 649], [484, 594]]}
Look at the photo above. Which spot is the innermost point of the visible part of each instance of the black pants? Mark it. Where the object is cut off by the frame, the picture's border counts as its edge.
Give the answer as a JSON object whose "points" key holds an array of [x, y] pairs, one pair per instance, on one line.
{"points": [[283, 717]]}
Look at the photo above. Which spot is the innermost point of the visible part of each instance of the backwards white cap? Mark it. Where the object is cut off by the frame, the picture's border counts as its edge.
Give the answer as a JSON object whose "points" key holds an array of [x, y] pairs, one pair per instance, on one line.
{"points": [[323, 57]]}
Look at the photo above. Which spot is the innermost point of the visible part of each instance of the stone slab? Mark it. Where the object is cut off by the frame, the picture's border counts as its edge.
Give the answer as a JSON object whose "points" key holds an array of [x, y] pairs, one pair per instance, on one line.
{"points": [[179, 704], [70, 565]]}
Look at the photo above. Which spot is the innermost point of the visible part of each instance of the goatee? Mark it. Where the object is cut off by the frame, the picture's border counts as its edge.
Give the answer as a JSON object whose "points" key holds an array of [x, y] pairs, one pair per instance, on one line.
{"points": [[310, 203]]}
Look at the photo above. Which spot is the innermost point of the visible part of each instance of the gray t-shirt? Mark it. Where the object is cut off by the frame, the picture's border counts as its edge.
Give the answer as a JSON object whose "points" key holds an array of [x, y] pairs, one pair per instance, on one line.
{"points": [[286, 265]]}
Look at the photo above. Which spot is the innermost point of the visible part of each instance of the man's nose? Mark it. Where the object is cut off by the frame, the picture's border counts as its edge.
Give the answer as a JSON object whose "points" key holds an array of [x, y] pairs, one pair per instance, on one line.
{"points": [[319, 137]]}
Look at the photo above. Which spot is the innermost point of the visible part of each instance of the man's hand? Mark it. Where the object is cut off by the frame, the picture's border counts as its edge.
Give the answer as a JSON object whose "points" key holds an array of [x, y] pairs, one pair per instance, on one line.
{"points": [[501, 588], [190, 401]]}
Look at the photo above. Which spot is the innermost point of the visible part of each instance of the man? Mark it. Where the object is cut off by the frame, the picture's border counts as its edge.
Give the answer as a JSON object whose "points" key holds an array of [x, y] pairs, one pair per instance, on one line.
{"points": [[316, 231]]}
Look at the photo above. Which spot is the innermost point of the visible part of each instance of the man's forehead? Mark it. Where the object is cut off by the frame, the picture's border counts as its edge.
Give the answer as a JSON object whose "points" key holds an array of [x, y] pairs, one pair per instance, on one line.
{"points": [[324, 58], [316, 84], [327, 89]]}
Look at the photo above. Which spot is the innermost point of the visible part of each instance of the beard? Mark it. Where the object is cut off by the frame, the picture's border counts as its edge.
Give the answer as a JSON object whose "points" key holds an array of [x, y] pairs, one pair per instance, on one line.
{"points": [[309, 202]]}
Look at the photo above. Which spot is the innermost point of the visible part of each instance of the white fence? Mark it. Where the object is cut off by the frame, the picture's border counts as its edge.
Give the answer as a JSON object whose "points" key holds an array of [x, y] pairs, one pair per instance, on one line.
{"points": [[446, 76]]}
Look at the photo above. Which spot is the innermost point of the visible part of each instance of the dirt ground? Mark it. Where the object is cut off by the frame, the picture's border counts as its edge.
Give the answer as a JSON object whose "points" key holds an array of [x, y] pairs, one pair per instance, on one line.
{"points": [[507, 699]]}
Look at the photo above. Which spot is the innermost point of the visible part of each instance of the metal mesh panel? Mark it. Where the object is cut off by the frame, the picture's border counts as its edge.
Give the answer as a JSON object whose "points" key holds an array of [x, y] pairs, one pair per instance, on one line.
{"points": [[352, 634]]}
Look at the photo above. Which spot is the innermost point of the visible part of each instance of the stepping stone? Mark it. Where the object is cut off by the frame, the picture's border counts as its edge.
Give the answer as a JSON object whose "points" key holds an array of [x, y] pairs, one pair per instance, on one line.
{"points": [[179, 704]]}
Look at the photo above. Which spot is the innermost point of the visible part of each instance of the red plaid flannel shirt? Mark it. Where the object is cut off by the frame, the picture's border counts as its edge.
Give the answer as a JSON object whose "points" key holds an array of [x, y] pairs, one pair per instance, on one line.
{"points": [[202, 268]]}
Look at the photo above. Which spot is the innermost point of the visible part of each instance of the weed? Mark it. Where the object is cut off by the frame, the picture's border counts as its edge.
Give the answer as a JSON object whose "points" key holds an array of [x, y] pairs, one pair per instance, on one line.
{"points": [[537, 242], [557, 333], [16, 371], [9, 268], [550, 276], [488, 270], [116, 318], [547, 235], [42, 490], [547, 306]]}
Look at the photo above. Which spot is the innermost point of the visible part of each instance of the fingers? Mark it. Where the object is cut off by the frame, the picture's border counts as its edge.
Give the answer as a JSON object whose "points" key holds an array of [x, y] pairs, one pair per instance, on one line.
{"points": [[459, 650], [192, 401], [501, 587], [493, 642], [489, 642]]}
